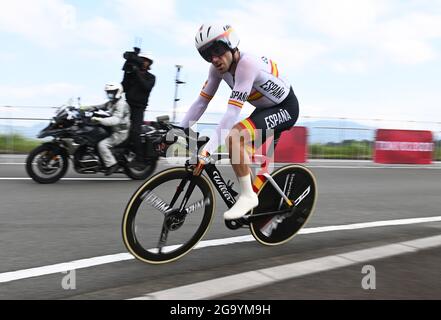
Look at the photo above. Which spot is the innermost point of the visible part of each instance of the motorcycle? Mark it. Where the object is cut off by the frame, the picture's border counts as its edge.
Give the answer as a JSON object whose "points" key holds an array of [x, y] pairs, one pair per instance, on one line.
{"points": [[76, 137]]}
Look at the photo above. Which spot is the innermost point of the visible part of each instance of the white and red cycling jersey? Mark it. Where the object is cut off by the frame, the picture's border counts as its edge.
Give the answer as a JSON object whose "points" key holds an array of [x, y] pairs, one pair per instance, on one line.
{"points": [[255, 80]]}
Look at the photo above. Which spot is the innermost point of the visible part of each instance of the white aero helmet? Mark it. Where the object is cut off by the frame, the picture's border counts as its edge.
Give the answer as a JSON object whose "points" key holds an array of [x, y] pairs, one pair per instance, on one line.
{"points": [[146, 55], [114, 90], [210, 36]]}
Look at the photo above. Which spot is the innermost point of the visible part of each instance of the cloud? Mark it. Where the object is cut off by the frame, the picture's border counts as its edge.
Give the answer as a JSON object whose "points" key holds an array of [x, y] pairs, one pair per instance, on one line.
{"points": [[100, 32], [154, 14], [161, 18], [349, 66], [407, 39], [339, 19], [54, 24], [27, 95], [35, 20], [272, 33], [393, 107], [390, 31], [368, 33]]}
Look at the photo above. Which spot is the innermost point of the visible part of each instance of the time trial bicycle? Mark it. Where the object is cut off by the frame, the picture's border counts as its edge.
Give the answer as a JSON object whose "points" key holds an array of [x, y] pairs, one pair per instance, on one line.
{"points": [[171, 212]]}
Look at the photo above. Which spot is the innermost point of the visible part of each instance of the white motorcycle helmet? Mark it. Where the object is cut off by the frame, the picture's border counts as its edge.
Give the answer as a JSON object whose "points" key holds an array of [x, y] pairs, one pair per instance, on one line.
{"points": [[114, 91], [213, 39]]}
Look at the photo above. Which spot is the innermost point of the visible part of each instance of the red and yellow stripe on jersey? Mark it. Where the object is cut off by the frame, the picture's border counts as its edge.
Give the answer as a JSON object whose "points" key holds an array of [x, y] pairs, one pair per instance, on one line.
{"points": [[249, 125], [206, 96], [236, 103], [274, 69], [255, 96]]}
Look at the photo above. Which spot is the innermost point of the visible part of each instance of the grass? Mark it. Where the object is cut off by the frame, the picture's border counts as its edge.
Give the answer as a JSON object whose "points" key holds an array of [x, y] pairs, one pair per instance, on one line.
{"points": [[16, 143], [361, 150], [437, 153], [350, 149]]}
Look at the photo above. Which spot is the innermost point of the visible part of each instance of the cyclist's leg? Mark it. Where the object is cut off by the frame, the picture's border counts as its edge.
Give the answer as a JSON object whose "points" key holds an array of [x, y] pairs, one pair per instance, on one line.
{"points": [[270, 123], [237, 140], [252, 132]]}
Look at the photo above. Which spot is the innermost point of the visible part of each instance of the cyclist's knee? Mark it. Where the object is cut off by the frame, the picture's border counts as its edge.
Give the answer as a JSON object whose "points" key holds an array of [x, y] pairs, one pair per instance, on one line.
{"points": [[236, 136]]}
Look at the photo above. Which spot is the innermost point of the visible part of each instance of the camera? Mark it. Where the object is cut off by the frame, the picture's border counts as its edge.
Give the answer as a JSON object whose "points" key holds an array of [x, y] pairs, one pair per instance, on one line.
{"points": [[132, 59]]}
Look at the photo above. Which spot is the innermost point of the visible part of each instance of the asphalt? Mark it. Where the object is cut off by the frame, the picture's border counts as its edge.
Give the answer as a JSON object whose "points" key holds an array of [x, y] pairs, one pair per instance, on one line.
{"points": [[41, 225]]}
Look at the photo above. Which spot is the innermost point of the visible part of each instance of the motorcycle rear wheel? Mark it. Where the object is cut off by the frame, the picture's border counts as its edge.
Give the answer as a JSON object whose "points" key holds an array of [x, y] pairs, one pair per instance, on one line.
{"points": [[143, 174]]}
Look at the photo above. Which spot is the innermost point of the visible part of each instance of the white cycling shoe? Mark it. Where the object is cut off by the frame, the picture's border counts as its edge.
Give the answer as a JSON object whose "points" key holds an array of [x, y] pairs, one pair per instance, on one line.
{"points": [[244, 204], [247, 200]]}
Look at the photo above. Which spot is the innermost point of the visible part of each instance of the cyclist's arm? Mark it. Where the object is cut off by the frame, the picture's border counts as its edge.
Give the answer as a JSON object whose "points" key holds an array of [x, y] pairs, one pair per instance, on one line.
{"points": [[246, 73], [198, 107], [227, 122]]}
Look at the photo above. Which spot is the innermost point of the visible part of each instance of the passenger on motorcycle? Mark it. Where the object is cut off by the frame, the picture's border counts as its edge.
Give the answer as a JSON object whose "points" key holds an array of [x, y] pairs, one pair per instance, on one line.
{"points": [[118, 121]]}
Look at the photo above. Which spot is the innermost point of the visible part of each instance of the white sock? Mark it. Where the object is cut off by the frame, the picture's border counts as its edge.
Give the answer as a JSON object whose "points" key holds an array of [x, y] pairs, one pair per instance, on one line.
{"points": [[246, 188], [247, 200]]}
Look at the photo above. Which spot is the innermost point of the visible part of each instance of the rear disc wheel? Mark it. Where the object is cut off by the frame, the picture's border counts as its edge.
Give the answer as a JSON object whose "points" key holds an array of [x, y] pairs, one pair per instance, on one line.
{"points": [[299, 185]]}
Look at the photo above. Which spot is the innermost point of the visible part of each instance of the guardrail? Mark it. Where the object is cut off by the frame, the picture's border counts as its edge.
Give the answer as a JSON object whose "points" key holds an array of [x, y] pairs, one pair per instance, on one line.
{"points": [[328, 137]]}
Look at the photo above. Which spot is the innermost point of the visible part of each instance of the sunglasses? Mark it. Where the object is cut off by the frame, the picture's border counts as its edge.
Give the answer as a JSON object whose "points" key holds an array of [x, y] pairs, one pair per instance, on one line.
{"points": [[215, 49]]}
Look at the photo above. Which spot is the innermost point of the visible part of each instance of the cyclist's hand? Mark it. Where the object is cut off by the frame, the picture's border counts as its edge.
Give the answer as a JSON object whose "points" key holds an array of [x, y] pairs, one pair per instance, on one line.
{"points": [[203, 159]]}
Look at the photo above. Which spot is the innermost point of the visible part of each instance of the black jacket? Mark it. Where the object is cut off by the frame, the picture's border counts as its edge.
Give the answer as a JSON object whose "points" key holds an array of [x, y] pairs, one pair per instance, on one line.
{"points": [[137, 86]]}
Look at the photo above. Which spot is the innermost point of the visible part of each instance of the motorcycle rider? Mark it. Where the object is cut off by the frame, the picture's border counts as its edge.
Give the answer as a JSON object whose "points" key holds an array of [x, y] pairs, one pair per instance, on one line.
{"points": [[118, 121]]}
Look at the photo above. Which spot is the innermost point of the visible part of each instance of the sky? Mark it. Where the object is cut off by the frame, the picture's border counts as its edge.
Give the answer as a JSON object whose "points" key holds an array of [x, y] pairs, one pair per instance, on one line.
{"points": [[363, 59]]}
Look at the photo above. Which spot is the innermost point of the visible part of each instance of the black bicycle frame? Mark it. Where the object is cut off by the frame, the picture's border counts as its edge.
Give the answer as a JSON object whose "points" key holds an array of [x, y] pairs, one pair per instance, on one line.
{"points": [[220, 184]]}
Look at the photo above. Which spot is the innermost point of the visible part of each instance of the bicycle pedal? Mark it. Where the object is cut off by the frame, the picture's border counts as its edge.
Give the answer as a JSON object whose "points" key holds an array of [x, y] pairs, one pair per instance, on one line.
{"points": [[234, 224]]}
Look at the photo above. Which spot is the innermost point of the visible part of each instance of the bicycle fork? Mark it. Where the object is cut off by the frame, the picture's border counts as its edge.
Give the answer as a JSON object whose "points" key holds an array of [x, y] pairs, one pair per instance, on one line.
{"points": [[164, 232]]}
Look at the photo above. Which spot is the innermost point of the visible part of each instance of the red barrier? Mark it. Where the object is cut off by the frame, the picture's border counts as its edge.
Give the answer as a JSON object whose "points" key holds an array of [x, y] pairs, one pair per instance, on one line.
{"points": [[403, 146], [292, 146]]}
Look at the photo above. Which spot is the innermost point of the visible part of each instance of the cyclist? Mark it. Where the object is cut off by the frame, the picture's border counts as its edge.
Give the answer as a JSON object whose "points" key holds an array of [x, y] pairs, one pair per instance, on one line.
{"points": [[254, 80]]}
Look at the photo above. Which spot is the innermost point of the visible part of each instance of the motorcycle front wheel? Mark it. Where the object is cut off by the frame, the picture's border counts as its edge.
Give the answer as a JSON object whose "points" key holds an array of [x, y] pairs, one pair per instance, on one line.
{"points": [[47, 164]]}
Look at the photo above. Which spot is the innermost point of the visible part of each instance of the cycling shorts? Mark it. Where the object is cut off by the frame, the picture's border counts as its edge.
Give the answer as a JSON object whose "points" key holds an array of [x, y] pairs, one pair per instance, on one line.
{"points": [[272, 121]]}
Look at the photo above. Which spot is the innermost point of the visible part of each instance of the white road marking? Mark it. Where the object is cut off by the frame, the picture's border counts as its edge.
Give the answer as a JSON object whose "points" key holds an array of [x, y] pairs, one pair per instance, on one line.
{"points": [[315, 163], [62, 267], [74, 179], [373, 167], [374, 224], [96, 261], [252, 279], [228, 165], [12, 163]]}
